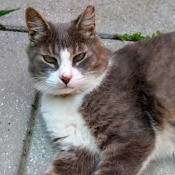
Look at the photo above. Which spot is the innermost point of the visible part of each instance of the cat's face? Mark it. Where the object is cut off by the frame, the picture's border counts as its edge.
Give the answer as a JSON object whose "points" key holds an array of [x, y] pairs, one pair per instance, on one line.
{"points": [[65, 58]]}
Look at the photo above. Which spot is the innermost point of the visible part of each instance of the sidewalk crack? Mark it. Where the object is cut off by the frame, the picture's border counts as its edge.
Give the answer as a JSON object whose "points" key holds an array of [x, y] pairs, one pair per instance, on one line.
{"points": [[28, 136]]}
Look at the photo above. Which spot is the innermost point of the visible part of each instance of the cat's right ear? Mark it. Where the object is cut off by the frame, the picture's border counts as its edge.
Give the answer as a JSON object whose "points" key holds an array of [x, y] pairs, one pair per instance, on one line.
{"points": [[36, 24]]}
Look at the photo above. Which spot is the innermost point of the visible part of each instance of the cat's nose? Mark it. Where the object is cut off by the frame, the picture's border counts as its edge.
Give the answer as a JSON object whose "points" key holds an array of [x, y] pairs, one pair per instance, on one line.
{"points": [[66, 79]]}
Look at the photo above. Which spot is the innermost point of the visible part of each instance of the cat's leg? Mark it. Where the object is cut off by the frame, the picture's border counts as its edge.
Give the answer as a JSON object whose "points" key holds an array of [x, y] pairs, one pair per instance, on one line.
{"points": [[75, 161], [123, 159]]}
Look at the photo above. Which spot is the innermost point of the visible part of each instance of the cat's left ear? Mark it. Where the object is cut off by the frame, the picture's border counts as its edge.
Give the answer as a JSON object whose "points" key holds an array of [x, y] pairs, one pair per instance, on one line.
{"points": [[85, 23], [36, 24]]}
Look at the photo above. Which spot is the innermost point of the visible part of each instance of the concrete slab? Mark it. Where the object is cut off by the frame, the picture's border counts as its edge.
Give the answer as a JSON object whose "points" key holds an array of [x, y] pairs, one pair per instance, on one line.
{"points": [[112, 16], [163, 167], [16, 97], [41, 151]]}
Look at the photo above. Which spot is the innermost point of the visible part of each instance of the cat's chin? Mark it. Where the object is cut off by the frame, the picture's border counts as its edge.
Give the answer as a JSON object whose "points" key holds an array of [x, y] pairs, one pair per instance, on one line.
{"points": [[67, 91]]}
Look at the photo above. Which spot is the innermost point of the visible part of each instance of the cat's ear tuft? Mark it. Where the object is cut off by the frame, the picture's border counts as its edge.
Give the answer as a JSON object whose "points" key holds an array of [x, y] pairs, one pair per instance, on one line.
{"points": [[36, 24], [85, 23]]}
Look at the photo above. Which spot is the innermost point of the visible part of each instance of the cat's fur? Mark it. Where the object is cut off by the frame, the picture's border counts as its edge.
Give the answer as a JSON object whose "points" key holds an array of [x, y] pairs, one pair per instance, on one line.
{"points": [[116, 113]]}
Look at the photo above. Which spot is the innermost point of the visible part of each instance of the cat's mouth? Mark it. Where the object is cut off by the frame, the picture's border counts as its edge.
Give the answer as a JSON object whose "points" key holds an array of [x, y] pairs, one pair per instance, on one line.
{"points": [[67, 90], [68, 87]]}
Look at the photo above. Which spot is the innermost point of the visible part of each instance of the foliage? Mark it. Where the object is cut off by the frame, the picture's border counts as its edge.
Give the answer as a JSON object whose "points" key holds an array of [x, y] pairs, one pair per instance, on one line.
{"points": [[135, 36], [5, 12]]}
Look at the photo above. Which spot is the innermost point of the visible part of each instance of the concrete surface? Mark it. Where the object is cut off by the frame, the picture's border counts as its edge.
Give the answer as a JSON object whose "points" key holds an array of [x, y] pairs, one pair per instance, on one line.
{"points": [[16, 94], [163, 167], [16, 90], [113, 16], [41, 152]]}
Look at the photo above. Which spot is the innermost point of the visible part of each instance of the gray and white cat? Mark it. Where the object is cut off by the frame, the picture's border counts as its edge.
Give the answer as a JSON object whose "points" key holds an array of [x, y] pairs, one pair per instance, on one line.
{"points": [[108, 113]]}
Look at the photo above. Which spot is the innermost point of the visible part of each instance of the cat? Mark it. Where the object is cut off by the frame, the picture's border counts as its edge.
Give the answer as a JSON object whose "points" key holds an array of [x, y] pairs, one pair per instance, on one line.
{"points": [[108, 113]]}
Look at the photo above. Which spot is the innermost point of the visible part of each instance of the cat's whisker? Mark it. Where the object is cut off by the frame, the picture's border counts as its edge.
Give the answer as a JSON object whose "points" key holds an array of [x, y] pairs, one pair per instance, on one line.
{"points": [[45, 88], [28, 82]]}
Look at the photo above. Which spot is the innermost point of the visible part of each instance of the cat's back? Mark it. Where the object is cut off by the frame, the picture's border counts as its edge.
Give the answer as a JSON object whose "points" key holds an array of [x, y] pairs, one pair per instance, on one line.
{"points": [[150, 58], [148, 67]]}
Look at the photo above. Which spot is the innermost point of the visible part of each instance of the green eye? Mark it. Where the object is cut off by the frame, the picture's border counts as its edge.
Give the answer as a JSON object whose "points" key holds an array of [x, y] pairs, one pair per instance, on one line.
{"points": [[49, 59], [79, 57]]}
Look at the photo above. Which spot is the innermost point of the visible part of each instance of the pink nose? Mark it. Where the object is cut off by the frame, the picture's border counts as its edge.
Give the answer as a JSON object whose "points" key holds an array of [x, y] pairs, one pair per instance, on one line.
{"points": [[66, 79]]}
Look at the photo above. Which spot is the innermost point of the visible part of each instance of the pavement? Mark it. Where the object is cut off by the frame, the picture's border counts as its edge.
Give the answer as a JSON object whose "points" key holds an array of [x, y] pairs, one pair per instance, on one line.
{"points": [[25, 148]]}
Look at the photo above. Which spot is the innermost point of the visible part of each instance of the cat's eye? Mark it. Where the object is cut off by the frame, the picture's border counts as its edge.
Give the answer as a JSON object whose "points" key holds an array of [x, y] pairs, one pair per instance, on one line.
{"points": [[79, 57], [49, 59]]}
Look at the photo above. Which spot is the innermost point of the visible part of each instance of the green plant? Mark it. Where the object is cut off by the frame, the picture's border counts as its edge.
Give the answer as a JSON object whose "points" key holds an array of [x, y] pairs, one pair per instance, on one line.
{"points": [[135, 36], [5, 12]]}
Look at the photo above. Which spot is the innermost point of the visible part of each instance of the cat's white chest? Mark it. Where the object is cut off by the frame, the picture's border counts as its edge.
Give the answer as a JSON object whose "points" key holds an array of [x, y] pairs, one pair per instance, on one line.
{"points": [[63, 120]]}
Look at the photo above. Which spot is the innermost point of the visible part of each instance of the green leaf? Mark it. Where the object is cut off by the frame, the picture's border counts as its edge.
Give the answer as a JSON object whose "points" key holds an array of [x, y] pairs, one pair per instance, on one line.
{"points": [[117, 36], [5, 12], [1, 26], [125, 36], [158, 32], [137, 36]]}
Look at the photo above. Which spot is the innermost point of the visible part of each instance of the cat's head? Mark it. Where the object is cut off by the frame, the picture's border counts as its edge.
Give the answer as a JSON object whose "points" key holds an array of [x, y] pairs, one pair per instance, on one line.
{"points": [[65, 58]]}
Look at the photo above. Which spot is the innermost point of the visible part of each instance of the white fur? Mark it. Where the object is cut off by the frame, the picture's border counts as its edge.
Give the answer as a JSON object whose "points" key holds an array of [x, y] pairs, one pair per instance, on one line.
{"points": [[66, 63], [63, 120], [164, 146], [165, 143]]}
